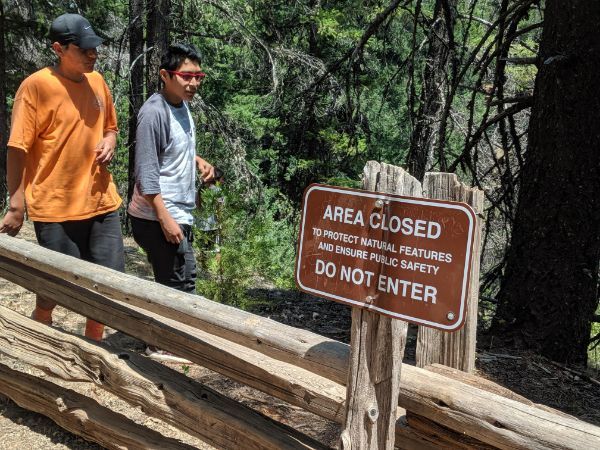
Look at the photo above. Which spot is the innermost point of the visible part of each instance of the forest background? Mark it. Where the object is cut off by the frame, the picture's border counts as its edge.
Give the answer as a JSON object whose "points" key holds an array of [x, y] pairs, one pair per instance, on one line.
{"points": [[502, 92]]}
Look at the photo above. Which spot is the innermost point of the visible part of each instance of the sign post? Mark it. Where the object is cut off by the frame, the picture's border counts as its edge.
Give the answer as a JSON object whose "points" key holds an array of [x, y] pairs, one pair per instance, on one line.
{"points": [[390, 257]]}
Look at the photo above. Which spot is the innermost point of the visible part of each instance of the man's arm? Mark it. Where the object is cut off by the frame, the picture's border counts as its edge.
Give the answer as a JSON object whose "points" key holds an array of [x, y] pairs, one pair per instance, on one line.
{"points": [[105, 150], [149, 142], [15, 180], [170, 228]]}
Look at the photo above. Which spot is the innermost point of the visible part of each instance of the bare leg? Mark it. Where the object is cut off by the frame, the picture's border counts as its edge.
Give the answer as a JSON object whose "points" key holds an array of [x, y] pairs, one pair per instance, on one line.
{"points": [[94, 330], [43, 310]]}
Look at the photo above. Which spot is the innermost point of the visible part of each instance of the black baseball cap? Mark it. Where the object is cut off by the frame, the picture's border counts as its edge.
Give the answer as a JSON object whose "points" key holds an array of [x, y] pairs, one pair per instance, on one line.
{"points": [[74, 29]]}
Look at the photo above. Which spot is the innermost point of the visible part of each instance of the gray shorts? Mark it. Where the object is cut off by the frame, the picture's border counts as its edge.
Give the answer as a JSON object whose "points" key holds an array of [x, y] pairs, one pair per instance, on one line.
{"points": [[97, 239]]}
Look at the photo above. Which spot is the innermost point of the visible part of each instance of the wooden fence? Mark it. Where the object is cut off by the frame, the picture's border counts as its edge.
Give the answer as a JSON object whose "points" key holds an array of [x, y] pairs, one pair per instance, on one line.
{"points": [[438, 407]]}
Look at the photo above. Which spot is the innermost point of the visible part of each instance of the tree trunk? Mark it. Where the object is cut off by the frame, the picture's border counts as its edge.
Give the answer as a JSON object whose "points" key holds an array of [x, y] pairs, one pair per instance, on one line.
{"points": [[3, 110], [136, 86], [550, 288], [157, 40], [429, 128]]}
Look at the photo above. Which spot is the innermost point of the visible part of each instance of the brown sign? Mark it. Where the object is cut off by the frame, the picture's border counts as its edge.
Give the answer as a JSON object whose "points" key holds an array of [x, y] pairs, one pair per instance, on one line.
{"points": [[408, 258]]}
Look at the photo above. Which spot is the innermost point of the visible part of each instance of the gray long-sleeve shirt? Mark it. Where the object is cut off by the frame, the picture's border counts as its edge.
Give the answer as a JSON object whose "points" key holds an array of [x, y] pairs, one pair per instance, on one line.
{"points": [[165, 153]]}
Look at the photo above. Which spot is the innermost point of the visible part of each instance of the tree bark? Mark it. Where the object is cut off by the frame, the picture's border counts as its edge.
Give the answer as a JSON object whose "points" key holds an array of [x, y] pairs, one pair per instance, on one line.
{"points": [[136, 86], [157, 40], [429, 132], [550, 288], [3, 110]]}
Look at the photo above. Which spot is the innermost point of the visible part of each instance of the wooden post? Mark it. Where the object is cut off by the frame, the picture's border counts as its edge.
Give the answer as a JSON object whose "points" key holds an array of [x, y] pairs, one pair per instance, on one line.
{"points": [[456, 349], [377, 346]]}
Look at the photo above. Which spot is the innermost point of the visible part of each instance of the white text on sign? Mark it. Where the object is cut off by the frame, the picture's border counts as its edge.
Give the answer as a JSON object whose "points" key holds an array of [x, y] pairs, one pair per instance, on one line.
{"points": [[395, 224], [389, 285]]}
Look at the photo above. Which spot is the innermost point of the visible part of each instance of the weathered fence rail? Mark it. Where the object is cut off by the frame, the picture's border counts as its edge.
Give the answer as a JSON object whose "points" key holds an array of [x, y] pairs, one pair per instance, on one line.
{"points": [[160, 391], [436, 410], [489, 418]]}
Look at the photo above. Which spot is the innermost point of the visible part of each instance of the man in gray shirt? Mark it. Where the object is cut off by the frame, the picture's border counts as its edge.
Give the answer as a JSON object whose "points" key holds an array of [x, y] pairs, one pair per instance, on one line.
{"points": [[165, 171]]}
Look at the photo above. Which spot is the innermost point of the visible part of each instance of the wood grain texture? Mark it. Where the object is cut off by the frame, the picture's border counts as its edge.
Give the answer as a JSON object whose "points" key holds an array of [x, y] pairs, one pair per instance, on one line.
{"points": [[302, 348], [491, 418], [285, 381], [443, 437], [160, 391], [489, 386], [455, 349], [81, 415], [488, 417], [377, 347]]}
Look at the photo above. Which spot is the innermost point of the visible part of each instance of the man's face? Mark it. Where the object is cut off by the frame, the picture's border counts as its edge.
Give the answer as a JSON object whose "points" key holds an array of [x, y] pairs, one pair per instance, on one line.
{"points": [[182, 84], [76, 59]]}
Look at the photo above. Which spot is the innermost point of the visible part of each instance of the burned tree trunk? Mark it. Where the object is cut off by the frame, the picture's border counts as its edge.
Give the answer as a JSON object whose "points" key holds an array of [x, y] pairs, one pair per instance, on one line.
{"points": [[136, 85], [550, 288], [429, 132], [157, 40], [3, 110]]}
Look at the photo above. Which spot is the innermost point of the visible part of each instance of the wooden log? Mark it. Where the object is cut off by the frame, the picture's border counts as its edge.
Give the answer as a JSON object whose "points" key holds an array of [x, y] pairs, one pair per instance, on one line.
{"points": [[299, 347], [282, 380], [285, 381], [490, 386], [408, 438], [478, 382], [373, 381], [497, 421], [443, 437], [160, 391], [377, 347], [487, 417], [81, 415], [454, 349]]}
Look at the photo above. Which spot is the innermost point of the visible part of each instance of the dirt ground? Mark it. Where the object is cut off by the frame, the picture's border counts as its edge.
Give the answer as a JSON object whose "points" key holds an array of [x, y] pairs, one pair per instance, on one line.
{"points": [[572, 390]]}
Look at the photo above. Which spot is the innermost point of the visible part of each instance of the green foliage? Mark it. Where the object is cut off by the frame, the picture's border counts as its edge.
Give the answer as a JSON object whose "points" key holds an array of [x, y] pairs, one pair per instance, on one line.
{"points": [[244, 246], [290, 100], [523, 76]]}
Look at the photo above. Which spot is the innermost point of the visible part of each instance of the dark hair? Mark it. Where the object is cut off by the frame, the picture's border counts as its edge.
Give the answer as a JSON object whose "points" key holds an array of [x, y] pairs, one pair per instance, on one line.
{"points": [[176, 55]]}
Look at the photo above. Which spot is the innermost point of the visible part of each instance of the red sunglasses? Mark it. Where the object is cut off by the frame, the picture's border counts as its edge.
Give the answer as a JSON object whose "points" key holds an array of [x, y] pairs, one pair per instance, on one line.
{"points": [[188, 76]]}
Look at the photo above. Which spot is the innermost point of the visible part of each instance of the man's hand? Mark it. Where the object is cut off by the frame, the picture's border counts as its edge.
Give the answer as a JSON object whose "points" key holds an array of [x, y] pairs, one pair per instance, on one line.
{"points": [[12, 222], [15, 170], [170, 228], [105, 150], [207, 171]]}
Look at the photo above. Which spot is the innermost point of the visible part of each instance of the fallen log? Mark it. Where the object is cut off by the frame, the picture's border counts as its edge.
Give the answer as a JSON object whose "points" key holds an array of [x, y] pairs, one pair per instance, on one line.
{"points": [[160, 391], [81, 415]]}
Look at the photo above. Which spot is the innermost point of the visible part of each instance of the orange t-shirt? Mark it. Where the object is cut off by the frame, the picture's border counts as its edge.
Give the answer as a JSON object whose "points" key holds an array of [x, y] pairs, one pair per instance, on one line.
{"points": [[58, 123]]}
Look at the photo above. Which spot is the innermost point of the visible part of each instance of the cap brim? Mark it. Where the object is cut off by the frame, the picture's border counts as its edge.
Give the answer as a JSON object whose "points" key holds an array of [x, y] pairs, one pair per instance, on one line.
{"points": [[88, 42]]}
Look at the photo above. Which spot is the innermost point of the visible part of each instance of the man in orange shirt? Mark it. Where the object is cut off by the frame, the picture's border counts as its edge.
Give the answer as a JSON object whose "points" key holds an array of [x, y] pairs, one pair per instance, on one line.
{"points": [[63, 135]]}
